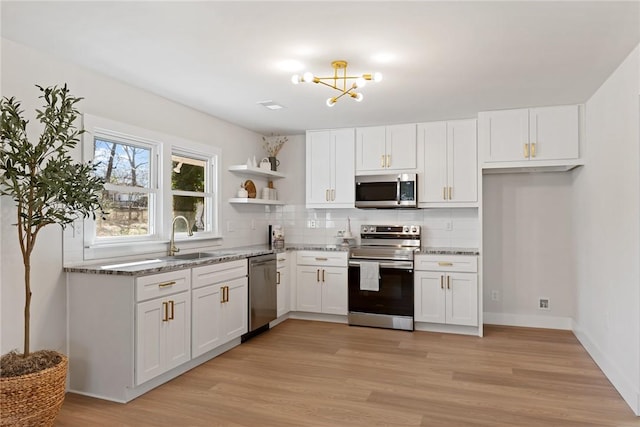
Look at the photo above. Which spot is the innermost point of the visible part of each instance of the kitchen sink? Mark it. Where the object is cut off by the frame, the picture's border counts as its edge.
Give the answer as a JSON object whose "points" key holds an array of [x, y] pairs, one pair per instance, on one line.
{"points": [[198, 255]]}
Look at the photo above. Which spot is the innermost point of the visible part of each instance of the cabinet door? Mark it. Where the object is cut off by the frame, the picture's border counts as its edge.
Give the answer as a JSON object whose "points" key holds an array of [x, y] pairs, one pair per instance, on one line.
{"points": [[462, 299], [434, 179], [506, 134], [429, 297], [309, 290], [554, 131], [319, 168], [178, 331], [343, 166], [150, 345], [235, 312], [334, 290], [283, 291], [401, 147], [462, 161], [206, 319], [370, 149]]}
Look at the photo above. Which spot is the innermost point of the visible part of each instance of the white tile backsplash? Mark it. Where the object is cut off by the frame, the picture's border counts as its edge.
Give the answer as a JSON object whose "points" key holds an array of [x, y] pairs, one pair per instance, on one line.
{"points": [[464, 224]]}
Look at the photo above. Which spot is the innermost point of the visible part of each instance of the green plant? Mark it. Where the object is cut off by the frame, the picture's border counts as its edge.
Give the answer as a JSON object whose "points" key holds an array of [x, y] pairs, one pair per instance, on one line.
{"points": [[46, 184]]}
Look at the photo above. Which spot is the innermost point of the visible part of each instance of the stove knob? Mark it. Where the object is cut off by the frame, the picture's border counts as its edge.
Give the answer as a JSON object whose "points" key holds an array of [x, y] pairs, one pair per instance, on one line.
{"points": [[405, 229], [414, 229]]}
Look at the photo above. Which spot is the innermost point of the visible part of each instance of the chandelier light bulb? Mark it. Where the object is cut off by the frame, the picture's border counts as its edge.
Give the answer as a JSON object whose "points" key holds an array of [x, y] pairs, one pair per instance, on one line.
{"points": [[295, 79], [358, 97], [360, 82], [377, 77], [331, 102], [307, 77]]}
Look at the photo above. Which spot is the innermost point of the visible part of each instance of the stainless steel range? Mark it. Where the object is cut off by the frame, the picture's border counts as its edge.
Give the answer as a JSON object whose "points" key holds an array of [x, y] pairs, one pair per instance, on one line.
{"points": [[381, 276]]}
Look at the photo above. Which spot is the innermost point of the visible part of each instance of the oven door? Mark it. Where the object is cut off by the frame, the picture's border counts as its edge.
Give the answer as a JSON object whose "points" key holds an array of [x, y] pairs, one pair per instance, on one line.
{"points": [[395, 295]]}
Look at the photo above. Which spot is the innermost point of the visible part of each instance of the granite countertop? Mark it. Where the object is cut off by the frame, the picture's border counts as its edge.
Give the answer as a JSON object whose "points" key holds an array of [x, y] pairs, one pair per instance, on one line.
{"points": [[154, 265], [427, 250]]}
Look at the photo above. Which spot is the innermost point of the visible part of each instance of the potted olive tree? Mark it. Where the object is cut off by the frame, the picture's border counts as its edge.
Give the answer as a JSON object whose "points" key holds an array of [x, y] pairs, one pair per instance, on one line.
{"points": [[47, 187]]}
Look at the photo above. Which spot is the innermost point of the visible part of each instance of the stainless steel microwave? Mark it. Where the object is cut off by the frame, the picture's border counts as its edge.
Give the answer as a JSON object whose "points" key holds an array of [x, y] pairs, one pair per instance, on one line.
{"points": [[387, 191]]}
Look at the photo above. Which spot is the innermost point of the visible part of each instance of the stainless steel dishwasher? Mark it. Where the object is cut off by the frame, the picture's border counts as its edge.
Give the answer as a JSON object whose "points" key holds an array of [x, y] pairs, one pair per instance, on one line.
{"points": [[262, 292]]}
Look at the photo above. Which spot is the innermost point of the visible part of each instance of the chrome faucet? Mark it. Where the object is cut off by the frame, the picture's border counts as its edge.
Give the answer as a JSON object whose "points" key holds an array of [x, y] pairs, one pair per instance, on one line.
{"points": [[172, 243]]}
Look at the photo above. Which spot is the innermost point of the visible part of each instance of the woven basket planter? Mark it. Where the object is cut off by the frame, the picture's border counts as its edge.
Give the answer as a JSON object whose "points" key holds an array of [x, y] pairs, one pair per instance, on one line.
{"points": [[34, 399]]}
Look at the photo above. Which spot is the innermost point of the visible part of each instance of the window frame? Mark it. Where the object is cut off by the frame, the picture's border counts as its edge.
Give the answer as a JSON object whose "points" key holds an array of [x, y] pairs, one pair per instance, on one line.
{"points": [[153, 191], [165, 146]]}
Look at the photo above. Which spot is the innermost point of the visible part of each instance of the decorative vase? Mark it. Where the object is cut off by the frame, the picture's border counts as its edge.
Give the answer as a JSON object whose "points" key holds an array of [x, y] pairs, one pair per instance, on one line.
{"points": [[33, 399], [274, 163]]}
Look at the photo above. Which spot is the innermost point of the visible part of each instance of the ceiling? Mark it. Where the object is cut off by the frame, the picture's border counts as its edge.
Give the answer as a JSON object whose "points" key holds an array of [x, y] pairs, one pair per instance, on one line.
{"points": [[440, 60]]}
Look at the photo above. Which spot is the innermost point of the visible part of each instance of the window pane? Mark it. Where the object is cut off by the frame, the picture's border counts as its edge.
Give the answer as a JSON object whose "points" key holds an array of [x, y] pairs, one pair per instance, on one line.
{"points": [[127, 214], [122, 164], [187, 174], [193, 209]]}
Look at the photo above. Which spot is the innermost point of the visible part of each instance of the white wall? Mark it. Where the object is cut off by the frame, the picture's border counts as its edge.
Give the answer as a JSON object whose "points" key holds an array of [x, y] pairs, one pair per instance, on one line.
{"points": [[528, 250], [22, 68], [606, 211]]}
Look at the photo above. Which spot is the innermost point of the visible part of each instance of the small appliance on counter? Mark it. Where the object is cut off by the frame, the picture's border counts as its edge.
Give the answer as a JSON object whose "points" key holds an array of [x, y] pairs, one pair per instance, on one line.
{"points": [[276, 236]]}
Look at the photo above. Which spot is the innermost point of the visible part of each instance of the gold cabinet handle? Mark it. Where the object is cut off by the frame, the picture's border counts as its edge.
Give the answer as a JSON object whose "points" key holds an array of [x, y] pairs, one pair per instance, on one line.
{"points": [[382, 161], [282, 259], [323, 275], [226, 299], [388, 160], [165, 284], [526, 151], [322, 259], [222, 294], [318, 275], [533, 149], [441, 282], [333, 194], [165, 309], [445, 263], [326, 195], [277, 277], [448, 282], [172, 310], [444, 193]]}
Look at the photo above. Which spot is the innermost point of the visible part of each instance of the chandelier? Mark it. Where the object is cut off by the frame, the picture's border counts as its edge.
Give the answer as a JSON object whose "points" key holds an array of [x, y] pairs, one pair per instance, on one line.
{"points": [[339, 81]]}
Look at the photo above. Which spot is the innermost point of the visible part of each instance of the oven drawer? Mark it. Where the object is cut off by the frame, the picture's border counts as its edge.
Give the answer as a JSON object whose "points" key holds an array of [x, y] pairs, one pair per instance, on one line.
{"points": [[322, 258], [462, 263]]}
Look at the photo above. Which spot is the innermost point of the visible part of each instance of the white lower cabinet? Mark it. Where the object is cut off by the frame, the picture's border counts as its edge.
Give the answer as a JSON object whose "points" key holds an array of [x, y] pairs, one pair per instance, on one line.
{"points": [[321, 279], [444, 294], [283, 284], [220, 305], [163, 335]]}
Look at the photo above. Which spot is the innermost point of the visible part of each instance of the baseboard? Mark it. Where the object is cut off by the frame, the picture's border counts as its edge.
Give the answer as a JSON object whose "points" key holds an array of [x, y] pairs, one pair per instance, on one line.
{"points": [[528, 321], [629, 392], [320, 317]]}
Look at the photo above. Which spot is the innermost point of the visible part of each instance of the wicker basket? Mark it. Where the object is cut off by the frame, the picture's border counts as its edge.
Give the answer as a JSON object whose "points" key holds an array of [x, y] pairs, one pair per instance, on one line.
{"points": [[34, 399]]}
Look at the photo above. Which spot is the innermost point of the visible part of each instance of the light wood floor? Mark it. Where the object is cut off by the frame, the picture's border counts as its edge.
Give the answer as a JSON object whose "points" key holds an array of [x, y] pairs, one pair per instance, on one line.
{"points": [[304, 373]]}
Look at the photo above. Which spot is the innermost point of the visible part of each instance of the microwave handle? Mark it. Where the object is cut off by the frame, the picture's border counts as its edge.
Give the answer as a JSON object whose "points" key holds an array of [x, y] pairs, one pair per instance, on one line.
{"points": [[398, 191]]}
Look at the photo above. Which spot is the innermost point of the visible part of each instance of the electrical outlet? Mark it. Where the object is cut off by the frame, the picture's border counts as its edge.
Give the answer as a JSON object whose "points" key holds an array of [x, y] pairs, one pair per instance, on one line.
{"points": [[312, 224], [544, 304], [448, 225], [495, 295]]}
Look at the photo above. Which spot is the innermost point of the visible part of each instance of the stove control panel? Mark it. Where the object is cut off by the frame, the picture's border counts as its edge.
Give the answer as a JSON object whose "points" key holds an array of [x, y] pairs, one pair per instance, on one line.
{"points": [[391, 229]]}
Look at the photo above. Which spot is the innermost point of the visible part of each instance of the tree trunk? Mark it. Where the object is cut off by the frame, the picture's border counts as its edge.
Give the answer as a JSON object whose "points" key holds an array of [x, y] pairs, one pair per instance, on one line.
{"points": [[27, 304]]}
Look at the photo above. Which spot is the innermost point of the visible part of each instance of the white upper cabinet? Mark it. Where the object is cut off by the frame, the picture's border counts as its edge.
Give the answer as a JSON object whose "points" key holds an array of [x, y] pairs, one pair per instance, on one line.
{"points": [[535, 137], [330, 179], [386, 149], [449, 164]]}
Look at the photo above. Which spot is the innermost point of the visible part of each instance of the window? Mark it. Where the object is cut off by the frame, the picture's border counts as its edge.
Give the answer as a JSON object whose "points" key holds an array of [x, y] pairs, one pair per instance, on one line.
{"points": [[129, 193], [191, 196], [149, 179]]}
